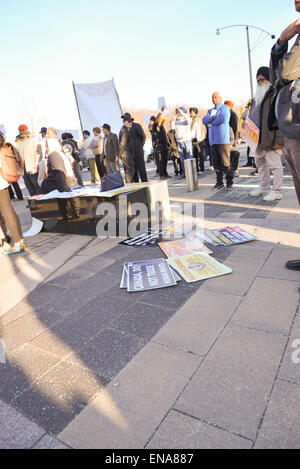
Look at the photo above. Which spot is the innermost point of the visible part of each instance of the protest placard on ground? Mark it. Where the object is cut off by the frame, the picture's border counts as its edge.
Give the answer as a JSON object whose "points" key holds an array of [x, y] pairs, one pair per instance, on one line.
{"points": [[196, 267], [183, 247]]}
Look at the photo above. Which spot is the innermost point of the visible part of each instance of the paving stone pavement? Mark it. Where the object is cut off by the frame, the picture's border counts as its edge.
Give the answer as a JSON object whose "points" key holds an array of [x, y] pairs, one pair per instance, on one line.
{"points": [[205, 365]]}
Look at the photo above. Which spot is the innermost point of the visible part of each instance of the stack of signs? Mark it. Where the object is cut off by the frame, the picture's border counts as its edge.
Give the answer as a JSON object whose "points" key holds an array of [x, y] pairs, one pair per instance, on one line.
{"points": [[227, 236], [199, 266], [183, 247], [148, 275]]}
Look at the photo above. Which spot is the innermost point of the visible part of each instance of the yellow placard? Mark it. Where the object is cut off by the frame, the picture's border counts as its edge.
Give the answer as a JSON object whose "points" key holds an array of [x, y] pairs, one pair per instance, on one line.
{"points": [[196, 267], [250, 133]]}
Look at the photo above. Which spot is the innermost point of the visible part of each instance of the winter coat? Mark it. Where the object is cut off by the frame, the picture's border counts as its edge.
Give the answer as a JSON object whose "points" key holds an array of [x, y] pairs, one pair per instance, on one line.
{"points": [[30, 151]]}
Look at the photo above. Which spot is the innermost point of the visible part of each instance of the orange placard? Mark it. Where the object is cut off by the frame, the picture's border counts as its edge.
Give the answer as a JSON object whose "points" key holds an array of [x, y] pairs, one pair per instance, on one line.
{"points": [[250, 133]]}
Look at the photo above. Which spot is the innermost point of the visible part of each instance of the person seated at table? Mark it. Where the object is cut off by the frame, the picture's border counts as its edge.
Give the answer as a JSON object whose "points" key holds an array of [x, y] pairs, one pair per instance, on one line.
{"points": [[60, 177]]}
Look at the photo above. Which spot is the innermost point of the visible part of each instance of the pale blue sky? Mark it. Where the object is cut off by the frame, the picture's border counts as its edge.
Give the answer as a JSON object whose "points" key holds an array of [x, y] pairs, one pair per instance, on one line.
{"points": [[151, 49]]}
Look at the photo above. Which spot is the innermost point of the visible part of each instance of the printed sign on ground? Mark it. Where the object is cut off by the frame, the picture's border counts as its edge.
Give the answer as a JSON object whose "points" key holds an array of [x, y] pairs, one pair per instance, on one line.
{"points": [[183, 247], [149, 275], [196, 267]]}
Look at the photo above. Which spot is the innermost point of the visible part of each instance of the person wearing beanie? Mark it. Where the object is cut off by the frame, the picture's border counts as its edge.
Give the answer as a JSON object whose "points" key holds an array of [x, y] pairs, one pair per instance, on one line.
{"points": [[110, 150], [182, 126], [70, 148], [217, 120], [198, 136], [285, 68], [31, 153], [268, 155]]}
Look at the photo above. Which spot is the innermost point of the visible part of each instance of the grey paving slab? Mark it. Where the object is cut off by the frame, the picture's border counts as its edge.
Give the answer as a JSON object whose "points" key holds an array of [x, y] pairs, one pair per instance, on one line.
{"points": [[21, 331], [55, 400], [107, 353], [197, 325], [126, 414], [16, 431], [281, 425], [290, 368], [180, 431], [71, 279], [97, 264], [48, 442], [173, 297], [142, 320], [32, 361], [270, 305], [275, 266], [15, 313], [242, 277], [232, 386]]}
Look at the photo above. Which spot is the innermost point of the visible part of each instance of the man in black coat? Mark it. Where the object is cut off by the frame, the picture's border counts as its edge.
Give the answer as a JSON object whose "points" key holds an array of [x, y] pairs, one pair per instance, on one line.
{"points": [[110, 150], [135, 142]]}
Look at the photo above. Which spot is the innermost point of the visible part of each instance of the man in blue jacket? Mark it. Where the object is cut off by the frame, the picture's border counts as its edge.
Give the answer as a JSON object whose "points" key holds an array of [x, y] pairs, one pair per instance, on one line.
{"points": [[217, 120]]}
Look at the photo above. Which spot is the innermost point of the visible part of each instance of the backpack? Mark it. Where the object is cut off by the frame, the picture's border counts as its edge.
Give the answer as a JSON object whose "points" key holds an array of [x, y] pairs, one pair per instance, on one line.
{"points": [[10, 163]]}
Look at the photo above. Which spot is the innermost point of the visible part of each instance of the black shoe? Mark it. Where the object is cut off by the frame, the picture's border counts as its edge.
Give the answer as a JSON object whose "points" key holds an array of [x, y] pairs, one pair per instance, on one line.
{"points": [[248, 165], [229, 187], [293, 265], [218, 187]]}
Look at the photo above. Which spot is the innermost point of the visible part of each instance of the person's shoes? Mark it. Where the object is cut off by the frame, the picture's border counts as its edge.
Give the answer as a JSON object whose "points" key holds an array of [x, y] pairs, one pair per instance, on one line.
{"points": [[16, 249], [229, 187], [248, 165], [201, 173], [254, 173], [258, 193], [218, 187], [293, 265], [272, 196], [236, 174]]}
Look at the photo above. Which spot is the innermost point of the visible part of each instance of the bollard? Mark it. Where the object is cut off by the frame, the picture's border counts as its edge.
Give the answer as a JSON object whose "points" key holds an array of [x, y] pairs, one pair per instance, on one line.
{"points": [[191, 175]]}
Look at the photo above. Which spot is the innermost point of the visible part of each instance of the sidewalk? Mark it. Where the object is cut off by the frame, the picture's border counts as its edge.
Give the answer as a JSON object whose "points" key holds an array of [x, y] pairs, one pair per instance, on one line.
{"points": [[206, 365]]}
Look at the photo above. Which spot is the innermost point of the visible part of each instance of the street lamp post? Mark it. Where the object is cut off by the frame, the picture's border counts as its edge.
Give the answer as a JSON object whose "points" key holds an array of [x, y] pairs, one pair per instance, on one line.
{"points": [[248, 45]]}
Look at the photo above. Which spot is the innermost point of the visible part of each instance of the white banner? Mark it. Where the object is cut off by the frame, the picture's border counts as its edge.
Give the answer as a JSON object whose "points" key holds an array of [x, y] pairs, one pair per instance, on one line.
{"points": [[98, 104]]}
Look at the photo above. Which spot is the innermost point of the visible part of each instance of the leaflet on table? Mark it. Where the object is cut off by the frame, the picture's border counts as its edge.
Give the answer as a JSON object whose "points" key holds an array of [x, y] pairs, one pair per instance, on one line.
{"points": [[183, 247], [196, 267], [86, 191]]}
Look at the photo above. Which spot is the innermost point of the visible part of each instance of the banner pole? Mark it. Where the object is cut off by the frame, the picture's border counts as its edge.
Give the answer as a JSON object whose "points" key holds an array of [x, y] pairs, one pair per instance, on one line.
{"points": [[73, 84]]}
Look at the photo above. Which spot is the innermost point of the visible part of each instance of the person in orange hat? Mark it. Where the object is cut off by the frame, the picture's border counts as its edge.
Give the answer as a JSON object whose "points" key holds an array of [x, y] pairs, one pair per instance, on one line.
{"points": [[31, 152]]}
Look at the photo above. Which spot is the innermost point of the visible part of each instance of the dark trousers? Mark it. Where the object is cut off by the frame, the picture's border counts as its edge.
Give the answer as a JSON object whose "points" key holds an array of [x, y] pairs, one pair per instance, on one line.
{"points": [[129, 169], [162, 162], [199, 155], [139, 168], [221, 162], [15, 187], [156, 159], [77, 172], [100, 163], [31, 183], [234, 160], [11, 219]]}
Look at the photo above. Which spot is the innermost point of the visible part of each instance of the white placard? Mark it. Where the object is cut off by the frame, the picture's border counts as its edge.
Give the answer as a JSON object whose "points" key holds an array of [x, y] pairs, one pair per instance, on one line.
{"points": [[98, 104], [162, 103]]}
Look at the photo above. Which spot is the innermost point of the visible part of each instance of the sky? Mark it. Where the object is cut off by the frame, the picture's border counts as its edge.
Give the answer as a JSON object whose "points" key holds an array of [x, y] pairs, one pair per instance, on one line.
{"points": [[151, 48]]}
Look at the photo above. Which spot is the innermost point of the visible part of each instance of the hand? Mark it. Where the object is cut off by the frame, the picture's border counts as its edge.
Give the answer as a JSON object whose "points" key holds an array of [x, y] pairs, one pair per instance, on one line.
{"points": [[290, 32], [278, 147]]}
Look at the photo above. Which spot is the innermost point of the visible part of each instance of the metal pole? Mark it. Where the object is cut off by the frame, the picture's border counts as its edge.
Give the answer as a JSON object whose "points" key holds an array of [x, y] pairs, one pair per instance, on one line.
{"points": [[77, 106], [250, 64]]}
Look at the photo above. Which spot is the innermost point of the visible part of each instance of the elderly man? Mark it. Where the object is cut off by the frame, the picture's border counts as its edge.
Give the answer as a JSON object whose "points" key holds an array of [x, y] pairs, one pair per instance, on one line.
{"points": [[268, 156], [285, 68], [217, 120], [31, 153]]}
